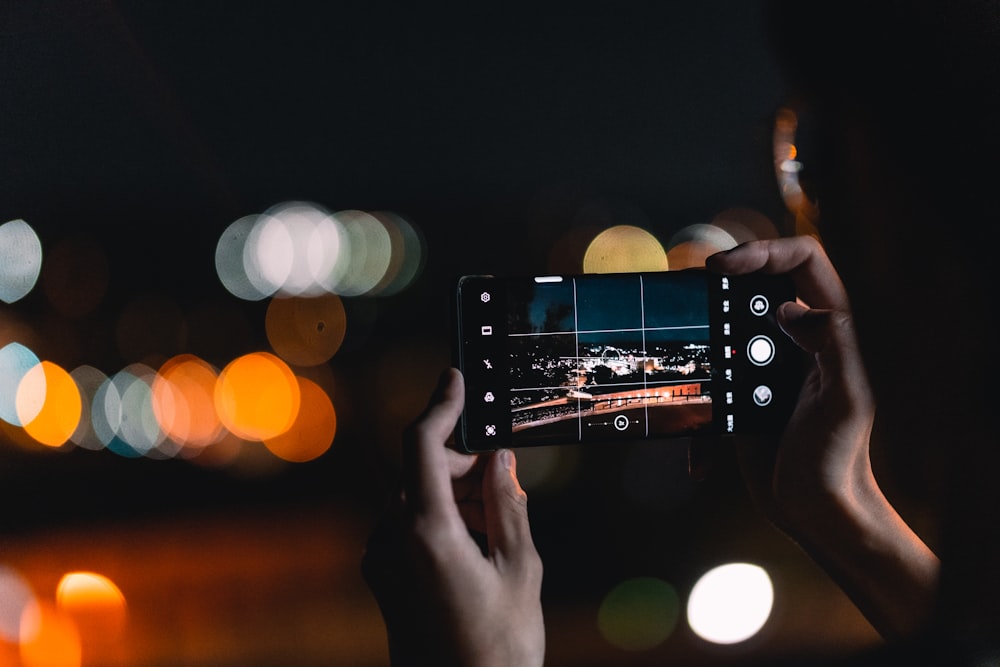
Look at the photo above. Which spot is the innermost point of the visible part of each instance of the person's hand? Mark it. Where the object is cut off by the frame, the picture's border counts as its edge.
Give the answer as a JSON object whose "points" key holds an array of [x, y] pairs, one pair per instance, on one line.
{"points": [[816, 483], [447, 596], [823, 453]]}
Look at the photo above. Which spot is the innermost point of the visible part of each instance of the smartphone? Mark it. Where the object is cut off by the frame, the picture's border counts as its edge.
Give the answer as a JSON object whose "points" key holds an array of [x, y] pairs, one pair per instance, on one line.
{"points": [[598, 358]]}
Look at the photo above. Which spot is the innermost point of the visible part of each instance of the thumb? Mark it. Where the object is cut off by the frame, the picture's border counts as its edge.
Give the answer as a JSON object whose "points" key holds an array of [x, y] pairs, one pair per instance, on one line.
{"points": [[808, 327], [505, 506]]}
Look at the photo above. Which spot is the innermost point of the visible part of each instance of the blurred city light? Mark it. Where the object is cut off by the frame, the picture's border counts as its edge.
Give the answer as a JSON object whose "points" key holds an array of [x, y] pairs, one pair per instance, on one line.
{"points": [[639, 613], [730, 603], [624, 248], [20, 260]]}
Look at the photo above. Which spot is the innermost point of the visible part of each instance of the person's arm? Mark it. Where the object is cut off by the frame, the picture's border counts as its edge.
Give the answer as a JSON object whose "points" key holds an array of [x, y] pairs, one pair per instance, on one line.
{"points": [[816, 484], [446, 600]]}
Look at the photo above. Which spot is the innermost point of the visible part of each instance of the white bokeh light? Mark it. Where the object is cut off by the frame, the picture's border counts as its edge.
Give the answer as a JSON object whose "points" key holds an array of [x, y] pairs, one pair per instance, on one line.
{"points": [[730, 603], [20, 260]]}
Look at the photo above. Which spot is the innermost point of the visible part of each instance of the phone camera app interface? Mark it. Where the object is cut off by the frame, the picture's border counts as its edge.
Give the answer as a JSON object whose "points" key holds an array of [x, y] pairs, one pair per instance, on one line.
{"points": [[606, 357]]}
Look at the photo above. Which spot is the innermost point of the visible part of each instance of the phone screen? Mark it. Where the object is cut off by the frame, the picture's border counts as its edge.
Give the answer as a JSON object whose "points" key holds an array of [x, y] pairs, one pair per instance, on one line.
{"points": [[613, 357]]}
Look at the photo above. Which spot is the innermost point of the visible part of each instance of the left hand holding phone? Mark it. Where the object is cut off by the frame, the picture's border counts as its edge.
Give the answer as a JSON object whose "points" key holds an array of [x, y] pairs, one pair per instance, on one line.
{"points": [[445, 599]]}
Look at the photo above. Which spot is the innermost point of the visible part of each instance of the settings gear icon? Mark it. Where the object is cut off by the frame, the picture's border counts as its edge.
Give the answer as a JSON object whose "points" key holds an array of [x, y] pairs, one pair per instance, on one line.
{"points": [[485, 297]]}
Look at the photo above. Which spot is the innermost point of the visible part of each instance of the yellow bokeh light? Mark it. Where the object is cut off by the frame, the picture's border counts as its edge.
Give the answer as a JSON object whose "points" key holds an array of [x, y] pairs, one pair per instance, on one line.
{"points": [[49, 404], [313, 431], [257, 396], [624, 249]]}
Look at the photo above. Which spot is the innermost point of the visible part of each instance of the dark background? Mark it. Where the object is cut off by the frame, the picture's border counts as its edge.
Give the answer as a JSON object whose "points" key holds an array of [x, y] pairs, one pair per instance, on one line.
{"points": [[496, 130]]}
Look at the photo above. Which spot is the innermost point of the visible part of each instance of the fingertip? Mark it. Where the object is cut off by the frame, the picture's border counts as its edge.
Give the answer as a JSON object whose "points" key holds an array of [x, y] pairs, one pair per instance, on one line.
{"points": [[509, 462]]}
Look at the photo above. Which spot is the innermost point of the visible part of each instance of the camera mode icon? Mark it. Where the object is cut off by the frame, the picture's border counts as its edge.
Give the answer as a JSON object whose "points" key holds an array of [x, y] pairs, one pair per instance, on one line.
{"points": [[759, 305], [762, 395]]}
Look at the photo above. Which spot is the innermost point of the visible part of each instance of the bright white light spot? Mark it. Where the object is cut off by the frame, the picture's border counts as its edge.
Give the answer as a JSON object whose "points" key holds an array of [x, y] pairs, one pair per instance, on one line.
{"points": [[323, 256], [269, 254], [287, 257], [20, 260], [730, 603]]}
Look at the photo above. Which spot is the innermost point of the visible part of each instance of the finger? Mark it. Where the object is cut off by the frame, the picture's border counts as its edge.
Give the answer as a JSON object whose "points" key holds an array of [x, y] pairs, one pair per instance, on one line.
{"points": [[426, 466], [505, 505], [807, 327], [802, 257], [830, 335]]}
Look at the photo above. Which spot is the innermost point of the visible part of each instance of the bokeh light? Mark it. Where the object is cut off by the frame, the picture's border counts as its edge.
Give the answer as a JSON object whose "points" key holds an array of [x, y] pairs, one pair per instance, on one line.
{"points": [[257, 396], [298, 248], [689, 247], [16, 596], [788, 169], [89, 381], [15, 362], [730, 603], [313, 431], [138, 427], [407, 254], [49, 404], [183, 401], [96, 605], [241, 280], [306, 331], [49, 638], [365, 256], [20, 260], [625, 248], [639, 613]]}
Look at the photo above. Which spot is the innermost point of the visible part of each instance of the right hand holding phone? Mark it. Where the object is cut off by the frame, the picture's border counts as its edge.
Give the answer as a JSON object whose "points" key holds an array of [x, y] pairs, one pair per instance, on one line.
{"points": [[816, 482], [824, 449]]}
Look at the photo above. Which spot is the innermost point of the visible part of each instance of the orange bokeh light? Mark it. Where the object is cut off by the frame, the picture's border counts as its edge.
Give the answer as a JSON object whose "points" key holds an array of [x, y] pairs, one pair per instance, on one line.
{"points": [[313, 431], [257, 396], [183, 401], [306, 331], [49, 404], [49, 638], [95, 603]]}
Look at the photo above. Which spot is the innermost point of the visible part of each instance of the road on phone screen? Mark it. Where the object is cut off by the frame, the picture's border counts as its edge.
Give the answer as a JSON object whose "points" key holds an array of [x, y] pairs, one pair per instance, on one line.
{"points": [[675, 410]]}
